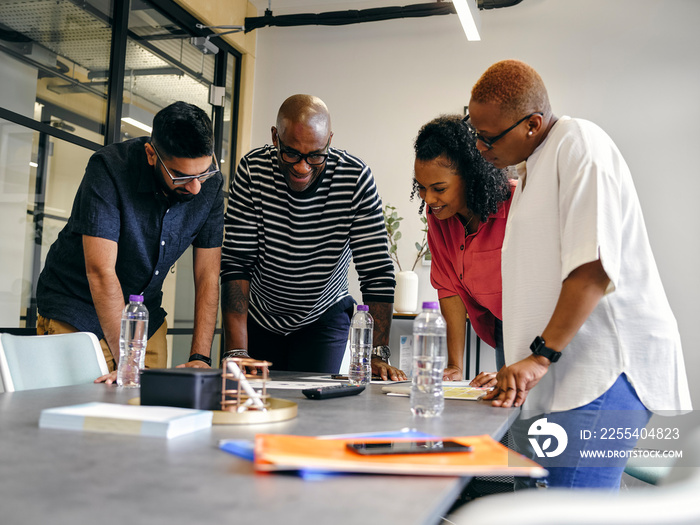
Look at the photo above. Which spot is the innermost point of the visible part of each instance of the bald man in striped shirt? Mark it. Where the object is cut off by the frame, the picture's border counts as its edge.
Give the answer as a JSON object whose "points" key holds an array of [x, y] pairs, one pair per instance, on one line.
{"points": [[298, 212]]}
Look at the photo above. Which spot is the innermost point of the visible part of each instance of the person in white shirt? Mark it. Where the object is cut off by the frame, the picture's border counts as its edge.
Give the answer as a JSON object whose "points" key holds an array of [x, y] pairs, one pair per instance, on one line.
{"points": [[579, 283]]}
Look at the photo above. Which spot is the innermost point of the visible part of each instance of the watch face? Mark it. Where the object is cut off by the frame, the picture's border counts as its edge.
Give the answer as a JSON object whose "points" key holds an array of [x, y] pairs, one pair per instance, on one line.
{"points": [[537, 344], [538, 347], [383, 352]]}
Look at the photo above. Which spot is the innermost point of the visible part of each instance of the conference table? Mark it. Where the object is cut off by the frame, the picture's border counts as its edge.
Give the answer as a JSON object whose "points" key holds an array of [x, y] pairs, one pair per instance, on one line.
{"points": [[68, 477]]}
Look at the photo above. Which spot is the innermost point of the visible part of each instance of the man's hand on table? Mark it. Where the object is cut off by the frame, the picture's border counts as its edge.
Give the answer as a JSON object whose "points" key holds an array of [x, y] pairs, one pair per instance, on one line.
{"points": [[194, 364], [107, 379], [386, 371], [111, 378]]}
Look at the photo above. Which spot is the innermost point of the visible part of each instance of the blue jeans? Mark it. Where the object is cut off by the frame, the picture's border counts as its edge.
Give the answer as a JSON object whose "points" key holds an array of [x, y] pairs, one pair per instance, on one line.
{"points": [[599, 436], [318, 347]]}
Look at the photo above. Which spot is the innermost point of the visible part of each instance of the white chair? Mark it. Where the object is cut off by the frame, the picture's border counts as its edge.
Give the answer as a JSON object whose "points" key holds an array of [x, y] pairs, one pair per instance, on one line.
{"points": [[43, 361], [672, 502]]}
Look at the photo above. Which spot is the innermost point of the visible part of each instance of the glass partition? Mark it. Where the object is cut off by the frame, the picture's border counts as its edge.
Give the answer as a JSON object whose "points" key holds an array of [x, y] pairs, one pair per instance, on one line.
{"points": [[162, 67], [55, 70], [38, 180], [48, 51]]}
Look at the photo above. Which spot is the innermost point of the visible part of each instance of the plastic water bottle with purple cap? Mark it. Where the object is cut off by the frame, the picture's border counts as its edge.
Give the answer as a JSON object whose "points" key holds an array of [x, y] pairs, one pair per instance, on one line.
{"points": [[361, 333], [429, 360], [133, 339]]}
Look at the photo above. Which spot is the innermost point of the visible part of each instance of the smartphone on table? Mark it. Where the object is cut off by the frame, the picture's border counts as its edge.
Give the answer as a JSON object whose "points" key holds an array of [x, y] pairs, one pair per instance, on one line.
{"points": [[422, 446]]}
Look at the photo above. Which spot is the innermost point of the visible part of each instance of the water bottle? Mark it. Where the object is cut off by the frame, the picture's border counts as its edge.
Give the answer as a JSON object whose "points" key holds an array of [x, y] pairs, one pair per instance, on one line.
{"points": [[361, 331], [429, 361], [133, 339]]}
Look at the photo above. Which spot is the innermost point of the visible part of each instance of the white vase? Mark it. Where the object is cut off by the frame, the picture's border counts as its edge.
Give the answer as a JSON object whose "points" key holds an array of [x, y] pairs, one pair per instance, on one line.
{"points": [[406, 293]]}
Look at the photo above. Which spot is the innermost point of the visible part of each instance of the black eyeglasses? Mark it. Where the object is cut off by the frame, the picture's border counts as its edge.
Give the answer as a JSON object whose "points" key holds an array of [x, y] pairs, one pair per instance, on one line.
{"points": [[489, 142], [179, 181], [291, 156]]}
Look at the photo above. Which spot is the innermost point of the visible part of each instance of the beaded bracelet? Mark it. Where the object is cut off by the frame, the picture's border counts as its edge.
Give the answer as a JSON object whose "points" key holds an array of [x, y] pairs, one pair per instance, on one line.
{"points": [[235, 353]]}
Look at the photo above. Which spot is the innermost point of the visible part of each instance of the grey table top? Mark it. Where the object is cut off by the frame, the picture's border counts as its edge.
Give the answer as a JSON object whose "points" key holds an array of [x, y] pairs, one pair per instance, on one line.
{"points": [[68, 477]]}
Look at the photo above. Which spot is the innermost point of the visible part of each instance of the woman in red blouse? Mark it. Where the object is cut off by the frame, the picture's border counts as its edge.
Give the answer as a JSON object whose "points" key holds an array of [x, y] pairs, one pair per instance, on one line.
{"points": [[468, 202]]}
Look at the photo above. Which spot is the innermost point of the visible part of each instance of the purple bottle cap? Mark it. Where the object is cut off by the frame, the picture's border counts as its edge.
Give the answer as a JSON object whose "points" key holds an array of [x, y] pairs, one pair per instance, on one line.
{"points": [[136, 298], [431, 305], [362, 308]]}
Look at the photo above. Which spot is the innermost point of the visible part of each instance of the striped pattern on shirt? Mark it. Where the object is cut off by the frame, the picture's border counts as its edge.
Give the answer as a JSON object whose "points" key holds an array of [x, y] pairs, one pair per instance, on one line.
{"points": [[295, 248]]}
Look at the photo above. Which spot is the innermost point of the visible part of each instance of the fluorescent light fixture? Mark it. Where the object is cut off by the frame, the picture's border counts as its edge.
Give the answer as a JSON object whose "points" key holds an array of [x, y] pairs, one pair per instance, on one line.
{"points": [[137, 124], [137, 117], [469, 16]]}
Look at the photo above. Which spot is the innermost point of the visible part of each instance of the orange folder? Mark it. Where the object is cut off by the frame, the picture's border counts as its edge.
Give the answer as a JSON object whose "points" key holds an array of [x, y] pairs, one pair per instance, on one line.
{"points": [[487, 458]]}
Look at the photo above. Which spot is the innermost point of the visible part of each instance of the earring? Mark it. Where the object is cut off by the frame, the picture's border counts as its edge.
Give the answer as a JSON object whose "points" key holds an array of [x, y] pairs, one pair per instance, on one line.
{"points": [[529, 132]]}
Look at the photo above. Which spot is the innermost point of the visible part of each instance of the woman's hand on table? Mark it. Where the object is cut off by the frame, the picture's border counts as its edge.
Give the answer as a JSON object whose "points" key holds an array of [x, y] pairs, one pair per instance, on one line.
{"points": [[484, 380], [515, 381], [452, 373]]}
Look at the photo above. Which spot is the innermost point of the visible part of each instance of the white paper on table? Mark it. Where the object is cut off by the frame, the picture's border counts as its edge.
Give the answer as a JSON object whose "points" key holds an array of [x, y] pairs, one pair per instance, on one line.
{"points": [[296, 385]]}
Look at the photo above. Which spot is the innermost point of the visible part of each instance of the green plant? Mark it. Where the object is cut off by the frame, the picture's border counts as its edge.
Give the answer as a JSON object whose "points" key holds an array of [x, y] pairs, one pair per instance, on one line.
{"points": [[422, 247], [392, 222]]}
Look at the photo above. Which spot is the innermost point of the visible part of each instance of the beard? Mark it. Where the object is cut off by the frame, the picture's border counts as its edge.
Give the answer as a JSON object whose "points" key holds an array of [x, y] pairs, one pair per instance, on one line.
{"points": [[181, 195], [174, 194]]}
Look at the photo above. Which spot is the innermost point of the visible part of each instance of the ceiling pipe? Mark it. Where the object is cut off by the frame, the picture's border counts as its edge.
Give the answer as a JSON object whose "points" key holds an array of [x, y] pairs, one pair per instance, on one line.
{"points": [[495, 4], [335, 18]]}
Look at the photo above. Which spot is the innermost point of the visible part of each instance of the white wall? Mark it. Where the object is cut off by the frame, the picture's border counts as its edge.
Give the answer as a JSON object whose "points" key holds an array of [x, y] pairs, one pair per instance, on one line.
{"points": [[632, 66]]}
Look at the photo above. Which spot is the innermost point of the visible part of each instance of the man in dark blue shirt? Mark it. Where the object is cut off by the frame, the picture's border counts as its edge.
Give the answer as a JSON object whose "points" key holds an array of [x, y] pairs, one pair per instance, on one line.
{"points": [[140, 205]]}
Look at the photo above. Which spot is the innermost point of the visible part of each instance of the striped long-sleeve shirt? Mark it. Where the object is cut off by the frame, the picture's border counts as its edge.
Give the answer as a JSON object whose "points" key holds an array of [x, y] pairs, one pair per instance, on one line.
{"points": [[295, 247]]}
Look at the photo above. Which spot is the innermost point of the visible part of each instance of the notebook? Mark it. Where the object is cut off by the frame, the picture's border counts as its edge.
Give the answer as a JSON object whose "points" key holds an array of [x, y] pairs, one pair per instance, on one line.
{"points": [[153, 421], [274, 452]]}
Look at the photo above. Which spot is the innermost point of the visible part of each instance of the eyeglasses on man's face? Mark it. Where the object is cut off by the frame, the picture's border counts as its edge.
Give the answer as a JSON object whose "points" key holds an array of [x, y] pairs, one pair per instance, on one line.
{"points": [[489, 142], [180, 181], [291, 156]]}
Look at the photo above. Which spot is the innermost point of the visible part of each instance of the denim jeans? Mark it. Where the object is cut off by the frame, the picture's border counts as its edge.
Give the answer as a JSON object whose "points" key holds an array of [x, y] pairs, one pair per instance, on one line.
{"points": [[600, 434], [318, 347], [500, 354]]}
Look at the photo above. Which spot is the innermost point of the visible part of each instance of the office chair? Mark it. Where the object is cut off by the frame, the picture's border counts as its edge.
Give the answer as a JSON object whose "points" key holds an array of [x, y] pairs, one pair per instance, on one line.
{"points": [[638, 468], [672, 502], [43, 361]]}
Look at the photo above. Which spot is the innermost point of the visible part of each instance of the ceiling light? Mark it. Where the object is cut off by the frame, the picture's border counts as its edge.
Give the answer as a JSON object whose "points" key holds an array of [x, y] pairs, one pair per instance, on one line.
{"points": [[137, 117], [469, 16]]}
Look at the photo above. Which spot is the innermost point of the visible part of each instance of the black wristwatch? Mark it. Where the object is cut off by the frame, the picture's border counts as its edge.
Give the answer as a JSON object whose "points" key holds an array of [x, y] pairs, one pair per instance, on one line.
{"points": [[539, 347], [199, 357], [383, 352]]}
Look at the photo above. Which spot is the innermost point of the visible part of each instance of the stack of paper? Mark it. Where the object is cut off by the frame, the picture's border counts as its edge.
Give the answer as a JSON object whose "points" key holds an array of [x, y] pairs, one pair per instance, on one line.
{"points": [[451, 392], [155, 421], [487, 458]]}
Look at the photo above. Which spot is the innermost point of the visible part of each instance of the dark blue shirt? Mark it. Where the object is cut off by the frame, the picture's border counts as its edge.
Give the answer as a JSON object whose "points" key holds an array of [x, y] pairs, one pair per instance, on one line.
{"points": [[119, 199]]}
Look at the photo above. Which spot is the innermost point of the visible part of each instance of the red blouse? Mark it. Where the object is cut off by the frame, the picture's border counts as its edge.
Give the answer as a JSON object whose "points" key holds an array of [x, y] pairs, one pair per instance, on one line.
{"points": [[470, 266]]}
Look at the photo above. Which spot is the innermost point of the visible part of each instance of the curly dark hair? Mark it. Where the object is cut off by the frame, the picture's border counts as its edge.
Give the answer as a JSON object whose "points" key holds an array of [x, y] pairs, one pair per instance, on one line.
{"points": [[448, 136]]}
